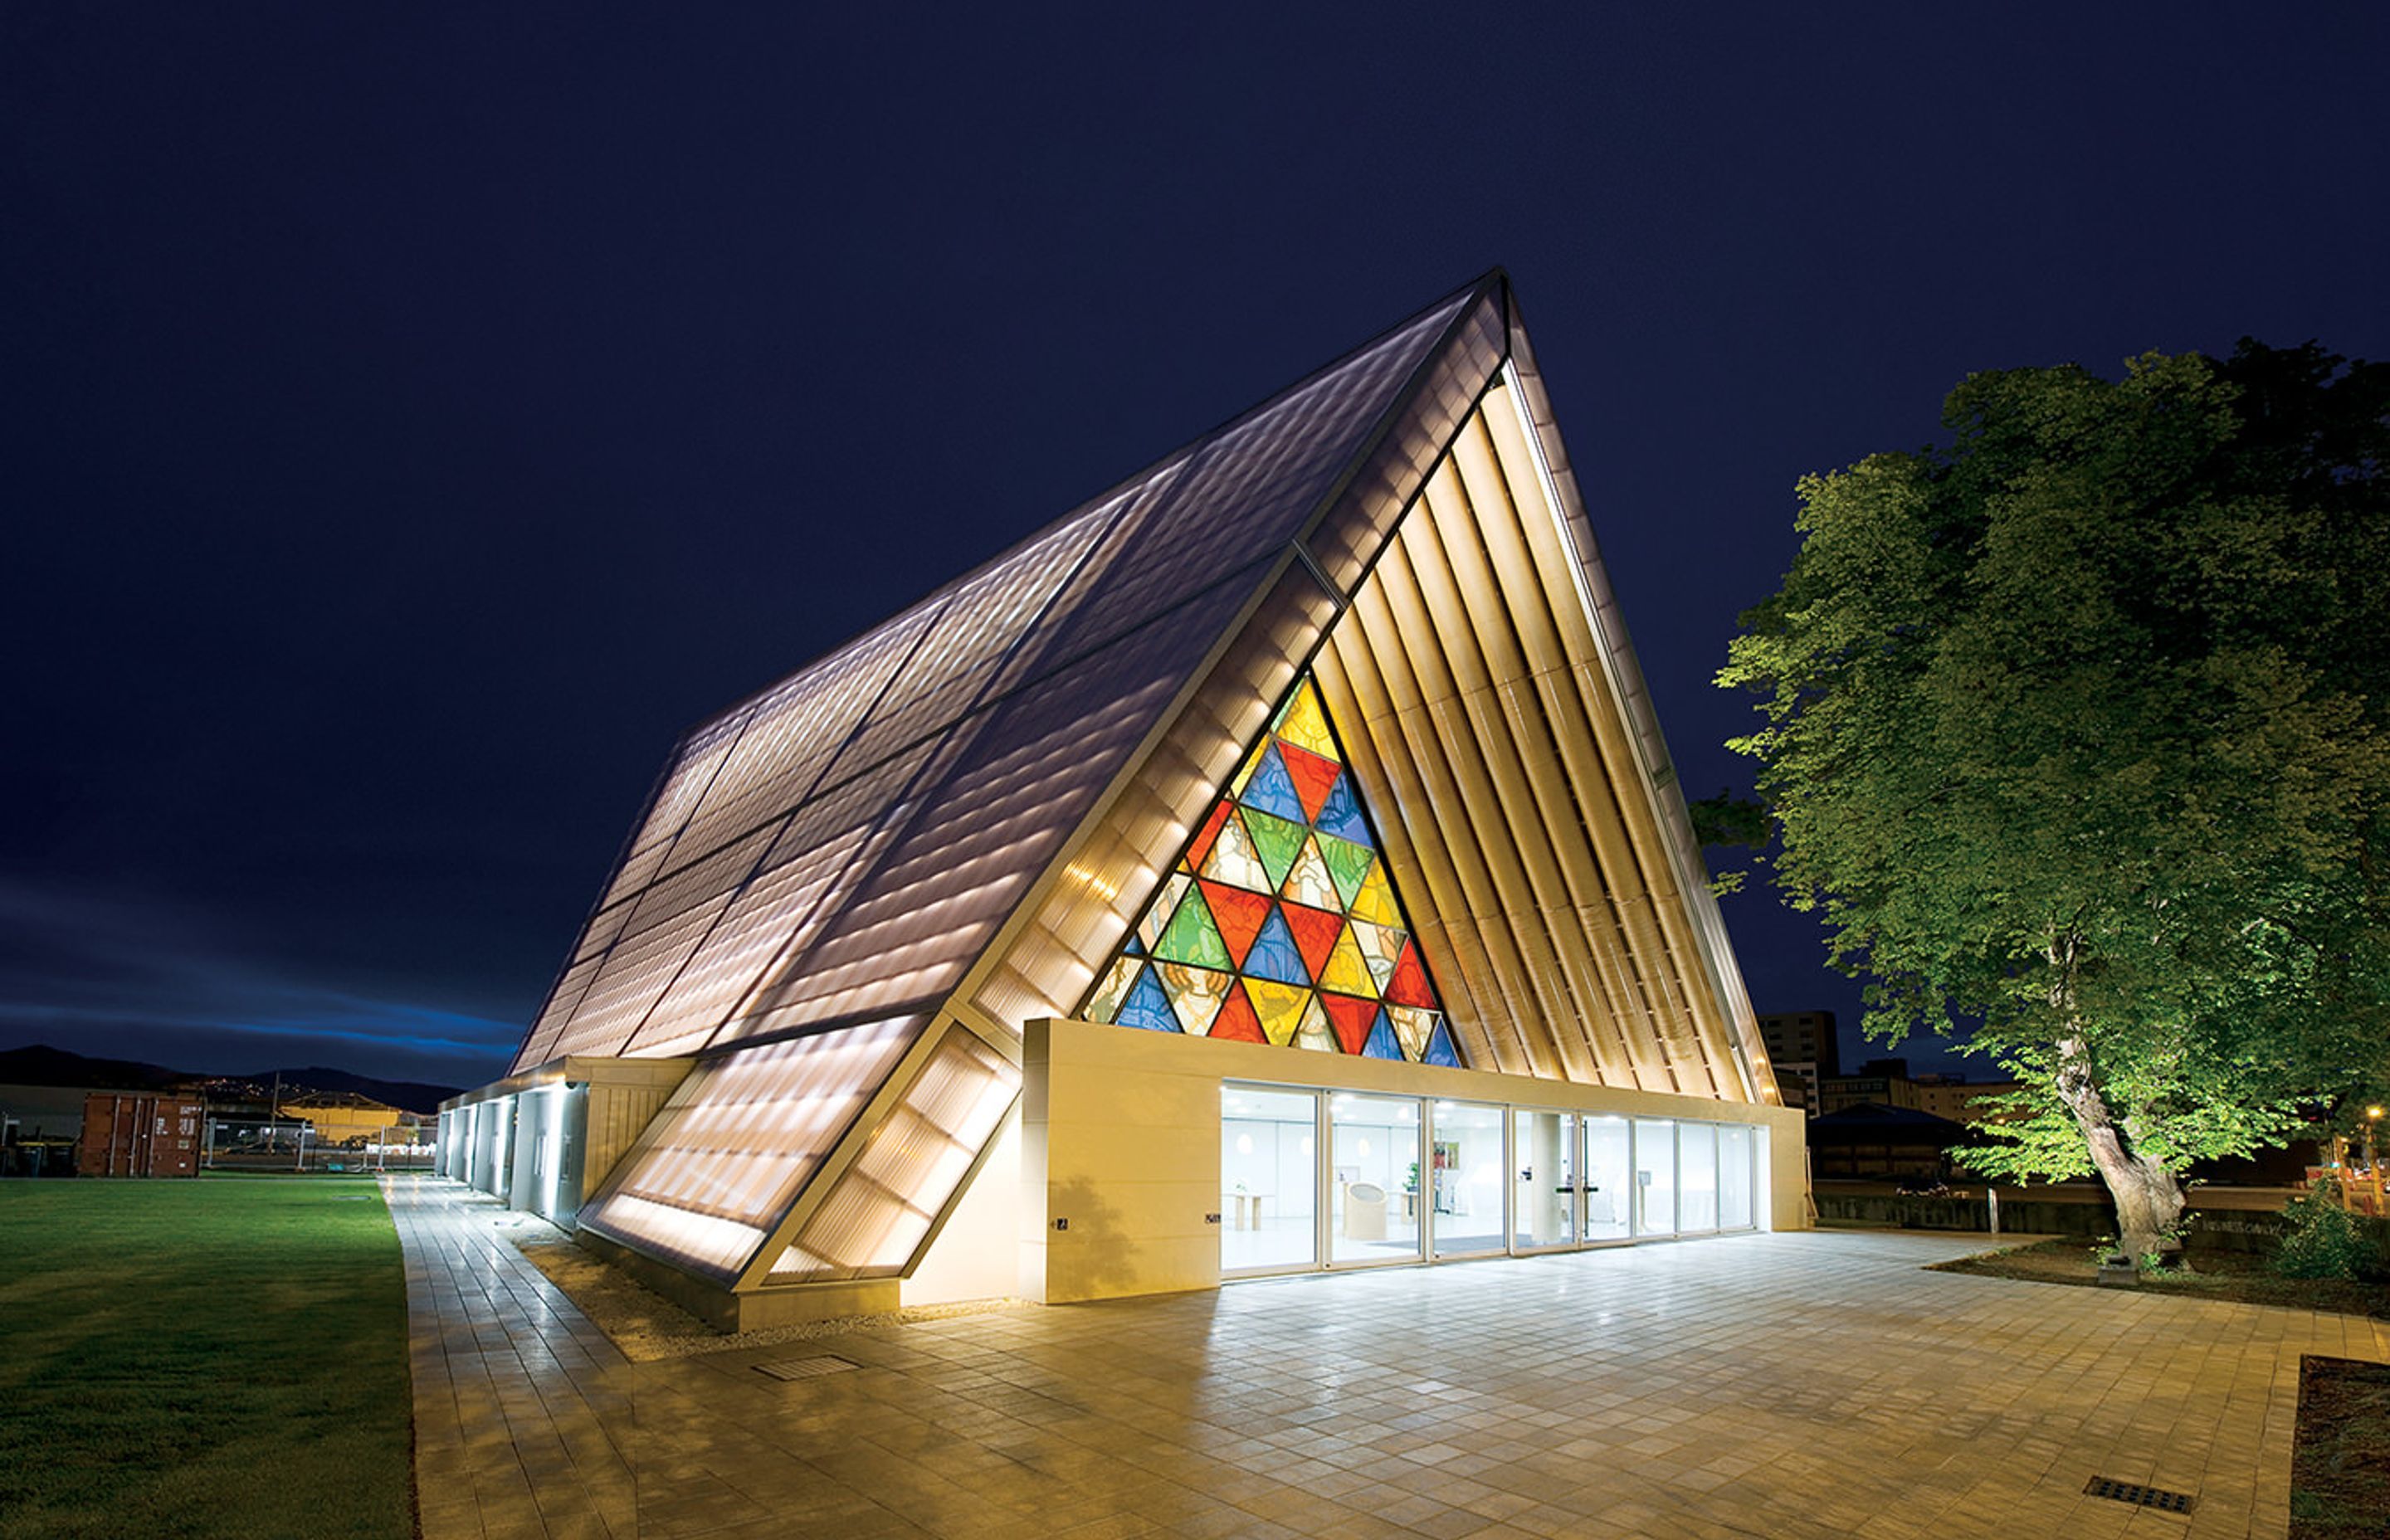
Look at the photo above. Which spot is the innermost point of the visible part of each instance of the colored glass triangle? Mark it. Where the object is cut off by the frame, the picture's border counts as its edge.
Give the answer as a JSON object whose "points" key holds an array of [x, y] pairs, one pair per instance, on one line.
{"points": [[1232, 859], [1375, 902], [1314, 932], [1275, 840], [1245, 771], [1440, 1049], [1149, 929], [1240, 914], [1104, 1005], [1205, 835], [1308, 881], [1351, 1020], [1303, 724], [1147, 1006], [1381, 947], [1381, 1044], [1408, 986], [1345, 970], [1314, 1032], [1412, 1029], [1312, 775], [1237, 1021], [1348, 865], [1278, 1007], [1190, 936], [1195, 994], [1341, 815], [1272, 790], [1274, 956]]}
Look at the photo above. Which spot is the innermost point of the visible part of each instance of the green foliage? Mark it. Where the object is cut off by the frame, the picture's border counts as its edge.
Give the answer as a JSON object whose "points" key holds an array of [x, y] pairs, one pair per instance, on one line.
{"points": [[2320, 1239], [225, 1356], [1727, 819], [2077, 728]]}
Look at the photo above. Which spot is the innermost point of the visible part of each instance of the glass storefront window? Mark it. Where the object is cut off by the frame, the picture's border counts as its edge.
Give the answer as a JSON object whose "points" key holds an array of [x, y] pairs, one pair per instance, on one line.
{"points": [[1696, 1177], [1465, 1165], [1655, 1176], [1609, 1179], [1375, 1174], [1543, 1163], [1268, 1176], [1734, 1177]]}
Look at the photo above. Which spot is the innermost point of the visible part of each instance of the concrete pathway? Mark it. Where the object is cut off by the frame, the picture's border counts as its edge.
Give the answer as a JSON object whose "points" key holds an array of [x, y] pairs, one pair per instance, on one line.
{"points": [[1803, 1386]]}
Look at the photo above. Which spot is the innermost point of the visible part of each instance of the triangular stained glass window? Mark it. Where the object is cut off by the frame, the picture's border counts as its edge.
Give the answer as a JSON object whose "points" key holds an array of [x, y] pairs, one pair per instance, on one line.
{"points": [[1280, 923]]}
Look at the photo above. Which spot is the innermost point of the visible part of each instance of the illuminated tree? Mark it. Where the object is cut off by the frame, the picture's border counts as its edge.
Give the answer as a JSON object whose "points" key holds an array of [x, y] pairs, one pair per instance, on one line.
{"points": [[2075, 729]]}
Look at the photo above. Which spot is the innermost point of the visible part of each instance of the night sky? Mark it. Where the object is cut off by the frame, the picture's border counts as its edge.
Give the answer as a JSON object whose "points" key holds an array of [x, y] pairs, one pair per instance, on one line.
{"points": [[416, 417]]}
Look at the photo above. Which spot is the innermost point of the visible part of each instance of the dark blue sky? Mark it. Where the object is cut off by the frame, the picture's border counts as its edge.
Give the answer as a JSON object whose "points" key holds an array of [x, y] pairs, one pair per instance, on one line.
{"points": [[414, 417]]}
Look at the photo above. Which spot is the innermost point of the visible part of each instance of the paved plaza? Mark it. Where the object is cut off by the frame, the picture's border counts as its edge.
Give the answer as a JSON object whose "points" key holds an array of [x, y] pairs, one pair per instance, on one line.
{"points": [[1770, 1385]]}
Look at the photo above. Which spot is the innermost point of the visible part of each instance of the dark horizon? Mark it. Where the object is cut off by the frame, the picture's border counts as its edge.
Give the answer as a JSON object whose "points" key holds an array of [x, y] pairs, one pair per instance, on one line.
{"points": [[416, 422]]}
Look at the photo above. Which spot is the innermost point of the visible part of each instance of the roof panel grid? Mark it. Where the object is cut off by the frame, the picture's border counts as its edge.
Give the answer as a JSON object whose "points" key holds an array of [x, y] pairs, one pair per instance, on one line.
{"points": [[723, 1161]]}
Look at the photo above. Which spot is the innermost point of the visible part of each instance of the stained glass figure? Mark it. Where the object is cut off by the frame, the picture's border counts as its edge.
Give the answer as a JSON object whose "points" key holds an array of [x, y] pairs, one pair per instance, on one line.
{"points": [[1315, 1033], [1195, 994], [1104, 1005], [1282, 924], [1309, 882], [1232, 860], [1149, 929], [1381, 947]]}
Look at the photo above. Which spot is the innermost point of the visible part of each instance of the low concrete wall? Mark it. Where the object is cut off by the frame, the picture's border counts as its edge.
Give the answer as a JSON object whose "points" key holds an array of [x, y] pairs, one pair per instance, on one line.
{"points": [[2238, 1219]]}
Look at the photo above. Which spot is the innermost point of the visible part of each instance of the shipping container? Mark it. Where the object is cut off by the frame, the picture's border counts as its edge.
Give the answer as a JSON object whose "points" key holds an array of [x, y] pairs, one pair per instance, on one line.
{"points": [[138, 1134]]}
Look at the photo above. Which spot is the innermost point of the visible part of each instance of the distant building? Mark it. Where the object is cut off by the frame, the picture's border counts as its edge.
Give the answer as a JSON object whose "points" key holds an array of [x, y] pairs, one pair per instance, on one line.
{"points": [[347, 1117], [1803, 1037], [1958, 1098], [1884, 1082], [1872, 1139]]}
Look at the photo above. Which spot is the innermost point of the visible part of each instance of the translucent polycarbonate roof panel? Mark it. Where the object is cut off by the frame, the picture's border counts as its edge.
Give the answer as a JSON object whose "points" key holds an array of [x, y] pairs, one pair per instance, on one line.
{"points": [[718, 1168], [1248, 490], [881, 1208], [1035, 677]]}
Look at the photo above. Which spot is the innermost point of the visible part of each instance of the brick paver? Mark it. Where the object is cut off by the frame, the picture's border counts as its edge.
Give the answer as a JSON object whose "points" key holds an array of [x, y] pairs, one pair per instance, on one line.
{"points": [[1800, 1385]]}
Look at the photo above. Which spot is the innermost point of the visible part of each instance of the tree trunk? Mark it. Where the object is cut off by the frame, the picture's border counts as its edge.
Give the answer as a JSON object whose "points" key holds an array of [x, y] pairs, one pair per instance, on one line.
{"points": [[2147, 1197]]}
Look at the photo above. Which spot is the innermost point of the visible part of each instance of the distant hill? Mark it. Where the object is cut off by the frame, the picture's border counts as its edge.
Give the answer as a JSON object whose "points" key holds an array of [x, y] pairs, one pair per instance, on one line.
{"points": [[43, 1065]]}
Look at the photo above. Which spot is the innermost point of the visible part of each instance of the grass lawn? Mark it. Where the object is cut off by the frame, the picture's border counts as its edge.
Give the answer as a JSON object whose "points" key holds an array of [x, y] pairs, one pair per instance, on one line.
{"points": [[225, 1356]]}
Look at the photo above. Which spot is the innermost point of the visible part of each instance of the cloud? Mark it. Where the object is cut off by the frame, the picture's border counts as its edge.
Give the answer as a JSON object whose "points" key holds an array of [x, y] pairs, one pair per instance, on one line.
{"points": [[118, 977]]}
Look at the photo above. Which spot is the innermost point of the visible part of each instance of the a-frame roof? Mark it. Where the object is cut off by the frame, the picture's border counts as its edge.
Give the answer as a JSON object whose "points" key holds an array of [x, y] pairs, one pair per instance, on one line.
{"points": [[848, 893]]}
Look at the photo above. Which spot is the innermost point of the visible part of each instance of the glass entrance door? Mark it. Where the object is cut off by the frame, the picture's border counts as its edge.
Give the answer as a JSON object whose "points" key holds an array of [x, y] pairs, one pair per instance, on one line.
{"points": [[1546, 1197], [1609, 1179]]}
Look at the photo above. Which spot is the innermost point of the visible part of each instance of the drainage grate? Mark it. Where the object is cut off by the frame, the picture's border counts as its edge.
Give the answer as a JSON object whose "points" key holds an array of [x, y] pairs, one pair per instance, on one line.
{"points": [[806, 1368], [2146, 1497]]}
